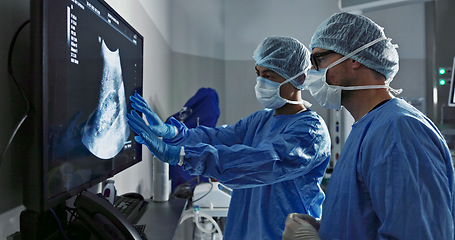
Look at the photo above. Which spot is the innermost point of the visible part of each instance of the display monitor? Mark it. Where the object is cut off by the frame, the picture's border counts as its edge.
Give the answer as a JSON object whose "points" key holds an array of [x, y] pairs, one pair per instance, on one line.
{"points": [[452, 86], [87, 60]]}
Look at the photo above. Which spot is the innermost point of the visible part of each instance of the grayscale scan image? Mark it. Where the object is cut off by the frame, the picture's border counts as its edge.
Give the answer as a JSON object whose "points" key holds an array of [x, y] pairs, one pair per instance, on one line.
{"points": [[107, 129]]}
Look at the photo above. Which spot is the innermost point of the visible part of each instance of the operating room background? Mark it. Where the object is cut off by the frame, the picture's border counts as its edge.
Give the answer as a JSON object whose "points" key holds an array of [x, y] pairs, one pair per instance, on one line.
{"points": [[209, 43]]}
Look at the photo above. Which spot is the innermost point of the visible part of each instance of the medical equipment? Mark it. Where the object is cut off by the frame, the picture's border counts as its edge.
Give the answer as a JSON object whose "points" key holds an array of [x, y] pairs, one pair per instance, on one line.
{"points": [[212, 195], [204, 230], [209, 200]]}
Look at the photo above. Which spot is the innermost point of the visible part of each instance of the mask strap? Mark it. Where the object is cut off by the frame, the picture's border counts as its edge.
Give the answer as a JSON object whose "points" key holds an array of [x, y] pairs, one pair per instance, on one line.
{"points": [[361, 87], [395, 91], [293, 77], [295, 102], [357, 51], [286, 81]]}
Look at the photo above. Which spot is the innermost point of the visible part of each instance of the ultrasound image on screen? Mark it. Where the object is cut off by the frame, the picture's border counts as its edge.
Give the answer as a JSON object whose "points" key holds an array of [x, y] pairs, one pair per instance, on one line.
{"points": [[106, 130], [94, 65]]}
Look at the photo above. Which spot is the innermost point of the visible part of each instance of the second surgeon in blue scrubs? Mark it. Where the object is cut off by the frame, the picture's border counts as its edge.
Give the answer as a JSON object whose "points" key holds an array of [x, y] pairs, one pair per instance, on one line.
{"points": [[394, 178], [273, 159]]}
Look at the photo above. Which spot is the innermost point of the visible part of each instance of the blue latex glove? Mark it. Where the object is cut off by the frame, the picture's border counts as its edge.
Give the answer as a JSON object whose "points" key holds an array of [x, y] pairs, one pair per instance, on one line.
{"points": [[157, 126], [163, 151]]}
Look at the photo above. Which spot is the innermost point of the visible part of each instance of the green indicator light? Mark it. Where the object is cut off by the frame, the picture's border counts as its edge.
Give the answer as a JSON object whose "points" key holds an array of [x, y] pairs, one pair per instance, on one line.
{"points": [[442, 82], [442, 71]]}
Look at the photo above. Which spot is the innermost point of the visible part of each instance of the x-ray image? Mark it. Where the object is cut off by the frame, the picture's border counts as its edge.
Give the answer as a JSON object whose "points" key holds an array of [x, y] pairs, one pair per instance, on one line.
{"points": [[106, 130]]}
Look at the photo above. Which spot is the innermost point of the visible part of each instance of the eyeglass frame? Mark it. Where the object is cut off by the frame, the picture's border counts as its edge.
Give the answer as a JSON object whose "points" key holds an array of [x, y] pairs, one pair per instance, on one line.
{"points": [[315, 56]]}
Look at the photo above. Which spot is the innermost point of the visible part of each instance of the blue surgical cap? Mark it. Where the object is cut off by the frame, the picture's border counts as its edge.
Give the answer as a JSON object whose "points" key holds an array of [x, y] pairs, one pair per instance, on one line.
{"points": [[345, 32], [285, 56]]}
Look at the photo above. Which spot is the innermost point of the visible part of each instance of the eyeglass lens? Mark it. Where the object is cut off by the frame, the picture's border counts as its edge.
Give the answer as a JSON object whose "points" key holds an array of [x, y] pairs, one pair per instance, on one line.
{"points": [[314, 58]]}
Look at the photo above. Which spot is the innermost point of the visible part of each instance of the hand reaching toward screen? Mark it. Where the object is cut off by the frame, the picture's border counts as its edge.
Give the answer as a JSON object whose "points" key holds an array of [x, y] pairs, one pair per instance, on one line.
{"points": [[157, 126], [164, 152]]}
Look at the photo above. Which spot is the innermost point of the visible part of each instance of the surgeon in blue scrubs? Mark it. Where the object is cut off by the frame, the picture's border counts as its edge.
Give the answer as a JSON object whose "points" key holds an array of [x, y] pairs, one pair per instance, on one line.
{"points": [[394, 178], [274, 159]]}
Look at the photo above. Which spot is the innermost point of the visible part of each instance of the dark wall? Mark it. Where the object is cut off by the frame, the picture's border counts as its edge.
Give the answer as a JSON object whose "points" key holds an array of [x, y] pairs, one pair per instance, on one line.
{"points": [[12, 105]]}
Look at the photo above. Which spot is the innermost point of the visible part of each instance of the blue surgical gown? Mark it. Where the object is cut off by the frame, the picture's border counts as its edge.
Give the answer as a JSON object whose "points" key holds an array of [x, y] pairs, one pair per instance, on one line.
{"points": [[394, 180], [273, 163]]}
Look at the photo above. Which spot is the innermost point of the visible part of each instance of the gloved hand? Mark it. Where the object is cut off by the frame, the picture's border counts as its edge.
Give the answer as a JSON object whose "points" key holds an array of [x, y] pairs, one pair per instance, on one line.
{"points": [[157, 126], [164, 152], [300, 226]]}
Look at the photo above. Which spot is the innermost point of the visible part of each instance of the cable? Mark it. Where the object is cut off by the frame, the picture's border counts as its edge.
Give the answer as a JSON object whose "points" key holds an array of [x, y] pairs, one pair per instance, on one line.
{"points": [[196, 215], [184, 190], [72, 212], [202, 228], [59, 224], [207, 193], [11, 73]]}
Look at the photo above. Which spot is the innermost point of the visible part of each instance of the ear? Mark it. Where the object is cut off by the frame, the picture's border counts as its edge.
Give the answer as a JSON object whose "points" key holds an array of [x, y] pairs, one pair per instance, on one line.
{"points": [[355, 64]]}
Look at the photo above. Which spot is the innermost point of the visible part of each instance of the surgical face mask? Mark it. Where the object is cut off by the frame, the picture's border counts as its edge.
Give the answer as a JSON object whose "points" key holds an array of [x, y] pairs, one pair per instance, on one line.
{"points": [[329, 96], [268, 93]]}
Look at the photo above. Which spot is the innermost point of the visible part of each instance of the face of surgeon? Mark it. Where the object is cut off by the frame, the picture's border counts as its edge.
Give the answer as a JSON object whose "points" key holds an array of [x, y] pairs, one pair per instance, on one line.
{"points": [[342, 74], [287, 91], [324, 61]]}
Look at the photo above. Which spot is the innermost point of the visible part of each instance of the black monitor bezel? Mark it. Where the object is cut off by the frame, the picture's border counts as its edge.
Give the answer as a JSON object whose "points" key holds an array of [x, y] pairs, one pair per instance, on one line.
{"points": [[451, 100]]}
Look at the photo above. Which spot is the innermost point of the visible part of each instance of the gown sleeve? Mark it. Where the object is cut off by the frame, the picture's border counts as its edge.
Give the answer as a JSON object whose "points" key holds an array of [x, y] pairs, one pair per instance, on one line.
{"points": [[226, 135], [300, 147]]}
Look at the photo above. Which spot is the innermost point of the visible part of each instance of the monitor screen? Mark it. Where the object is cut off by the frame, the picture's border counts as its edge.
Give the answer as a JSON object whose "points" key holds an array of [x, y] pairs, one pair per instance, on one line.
{"points": [[452, 87], [89, 62]]}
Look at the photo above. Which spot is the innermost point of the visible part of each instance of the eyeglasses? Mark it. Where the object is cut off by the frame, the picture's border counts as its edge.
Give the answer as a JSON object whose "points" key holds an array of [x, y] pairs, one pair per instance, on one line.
{"points": [[314, 58]]}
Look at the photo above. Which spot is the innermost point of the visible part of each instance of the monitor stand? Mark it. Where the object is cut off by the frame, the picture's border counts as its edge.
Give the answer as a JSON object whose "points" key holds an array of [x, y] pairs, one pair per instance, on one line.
{"points": [[42, 225]]}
